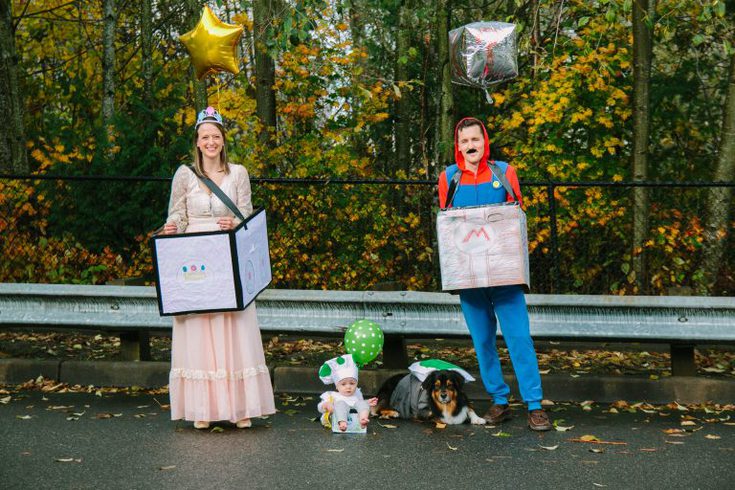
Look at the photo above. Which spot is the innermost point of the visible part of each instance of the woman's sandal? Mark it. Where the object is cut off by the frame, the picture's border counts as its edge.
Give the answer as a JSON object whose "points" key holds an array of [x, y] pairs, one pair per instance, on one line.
{"points": [[244, 424], [201, 425]]}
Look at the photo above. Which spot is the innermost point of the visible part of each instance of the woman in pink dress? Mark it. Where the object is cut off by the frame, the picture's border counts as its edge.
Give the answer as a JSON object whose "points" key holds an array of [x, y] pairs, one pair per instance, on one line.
{"points": [[218, 369]]}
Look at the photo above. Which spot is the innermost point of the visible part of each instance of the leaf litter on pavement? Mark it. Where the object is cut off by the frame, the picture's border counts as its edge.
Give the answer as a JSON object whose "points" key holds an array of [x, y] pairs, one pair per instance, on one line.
{"points": [[287, 350]]}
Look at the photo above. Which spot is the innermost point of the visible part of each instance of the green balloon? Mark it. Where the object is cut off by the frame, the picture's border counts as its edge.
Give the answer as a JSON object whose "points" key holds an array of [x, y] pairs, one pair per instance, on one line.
{"points": [[364, 340]]}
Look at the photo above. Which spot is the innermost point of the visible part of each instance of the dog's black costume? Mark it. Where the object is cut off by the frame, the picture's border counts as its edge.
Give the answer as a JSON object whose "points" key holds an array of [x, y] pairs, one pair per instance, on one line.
{"points": [[409, 398]]}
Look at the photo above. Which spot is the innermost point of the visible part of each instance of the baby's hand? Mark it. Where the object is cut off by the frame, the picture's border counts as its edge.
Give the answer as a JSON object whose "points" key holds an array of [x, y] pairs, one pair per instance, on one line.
{"points": [[327, 406], [373, 401]]}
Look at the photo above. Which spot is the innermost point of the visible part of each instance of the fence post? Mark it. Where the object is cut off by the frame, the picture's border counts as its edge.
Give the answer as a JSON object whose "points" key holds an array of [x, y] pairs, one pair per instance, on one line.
{"points": [[554, 239]]}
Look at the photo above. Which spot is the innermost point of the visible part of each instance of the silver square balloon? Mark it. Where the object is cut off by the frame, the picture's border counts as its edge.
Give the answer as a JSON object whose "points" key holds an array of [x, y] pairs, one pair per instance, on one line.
{"points": [[483, 53]]}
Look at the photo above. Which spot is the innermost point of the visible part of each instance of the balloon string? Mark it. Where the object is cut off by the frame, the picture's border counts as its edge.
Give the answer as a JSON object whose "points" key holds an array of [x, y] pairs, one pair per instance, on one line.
{"points": [[489, 97]]}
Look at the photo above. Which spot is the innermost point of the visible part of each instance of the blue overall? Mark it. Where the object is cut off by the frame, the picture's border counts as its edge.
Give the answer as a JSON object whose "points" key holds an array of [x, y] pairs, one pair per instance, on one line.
{"points": [[483, 308]]}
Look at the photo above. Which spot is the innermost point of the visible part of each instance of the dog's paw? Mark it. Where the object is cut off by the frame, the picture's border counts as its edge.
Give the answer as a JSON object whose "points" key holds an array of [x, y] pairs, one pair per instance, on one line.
{"points": [[475, 420], [389, 414]]}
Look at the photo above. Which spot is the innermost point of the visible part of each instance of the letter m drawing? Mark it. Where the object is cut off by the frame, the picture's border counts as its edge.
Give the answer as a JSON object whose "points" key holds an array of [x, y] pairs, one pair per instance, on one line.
{"points": [[478, 232]]}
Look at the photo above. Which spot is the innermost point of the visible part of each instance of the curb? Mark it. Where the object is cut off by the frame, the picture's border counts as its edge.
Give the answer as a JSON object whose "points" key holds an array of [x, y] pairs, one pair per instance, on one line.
{"points": [[305, 380]]}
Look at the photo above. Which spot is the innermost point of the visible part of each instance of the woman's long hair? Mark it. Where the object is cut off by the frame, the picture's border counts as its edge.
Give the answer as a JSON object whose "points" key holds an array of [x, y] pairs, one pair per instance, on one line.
{"points": [[198, 167]]}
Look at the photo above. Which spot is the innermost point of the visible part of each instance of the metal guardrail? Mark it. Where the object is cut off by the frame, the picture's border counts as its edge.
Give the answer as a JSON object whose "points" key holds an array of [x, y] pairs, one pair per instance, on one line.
{"points": [[409, 314]]}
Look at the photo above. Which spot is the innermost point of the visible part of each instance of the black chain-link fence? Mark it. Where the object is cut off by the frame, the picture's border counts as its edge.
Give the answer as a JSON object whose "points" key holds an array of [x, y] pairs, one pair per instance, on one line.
{"points": [[366, 234]]}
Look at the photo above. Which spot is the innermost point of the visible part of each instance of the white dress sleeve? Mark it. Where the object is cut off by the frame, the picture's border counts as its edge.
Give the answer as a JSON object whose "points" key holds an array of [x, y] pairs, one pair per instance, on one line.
{"points": [[244, 193], [177, 204]]}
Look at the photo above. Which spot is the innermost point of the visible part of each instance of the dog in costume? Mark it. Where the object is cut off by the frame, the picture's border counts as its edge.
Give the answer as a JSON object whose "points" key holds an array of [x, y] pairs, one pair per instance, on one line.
{"points": [[434, 389], [342, 372]]}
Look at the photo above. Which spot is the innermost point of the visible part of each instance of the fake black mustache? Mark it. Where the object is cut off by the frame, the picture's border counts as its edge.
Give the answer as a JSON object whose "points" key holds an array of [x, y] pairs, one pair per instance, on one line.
{"points": [[471, 151]]}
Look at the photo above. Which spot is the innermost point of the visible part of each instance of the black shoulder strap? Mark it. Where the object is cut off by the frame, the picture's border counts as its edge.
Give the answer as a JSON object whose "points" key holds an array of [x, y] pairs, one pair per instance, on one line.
{"points": [[453, 188], [219, 193], [495, 169]]}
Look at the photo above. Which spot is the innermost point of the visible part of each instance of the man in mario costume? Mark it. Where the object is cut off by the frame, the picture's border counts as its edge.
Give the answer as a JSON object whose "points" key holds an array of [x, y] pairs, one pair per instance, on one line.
{"points": [[479, 181]]}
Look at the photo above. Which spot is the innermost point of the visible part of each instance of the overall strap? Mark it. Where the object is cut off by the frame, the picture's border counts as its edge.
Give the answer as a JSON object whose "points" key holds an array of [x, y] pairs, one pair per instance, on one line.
{"points": [[453, 183], [500, 175], [219, 193]]}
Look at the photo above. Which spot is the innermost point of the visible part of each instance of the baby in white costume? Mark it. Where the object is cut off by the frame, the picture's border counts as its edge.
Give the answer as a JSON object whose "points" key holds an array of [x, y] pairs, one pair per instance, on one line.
{"points": [[342, 371]]}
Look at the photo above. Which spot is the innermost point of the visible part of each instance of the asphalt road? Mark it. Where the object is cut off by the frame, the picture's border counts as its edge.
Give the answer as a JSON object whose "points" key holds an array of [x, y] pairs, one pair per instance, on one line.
{"points": [[122, 441]]}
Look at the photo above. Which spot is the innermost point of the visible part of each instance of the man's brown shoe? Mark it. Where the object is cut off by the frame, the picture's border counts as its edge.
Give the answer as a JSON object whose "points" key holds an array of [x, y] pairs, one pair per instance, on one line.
{"points": [[538, 420], [497, 414]]}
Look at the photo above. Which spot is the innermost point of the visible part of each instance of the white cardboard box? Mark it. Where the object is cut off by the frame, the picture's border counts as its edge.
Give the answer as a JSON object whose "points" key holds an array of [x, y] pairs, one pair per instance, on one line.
{"points": [[483, 246], [212, 271]]}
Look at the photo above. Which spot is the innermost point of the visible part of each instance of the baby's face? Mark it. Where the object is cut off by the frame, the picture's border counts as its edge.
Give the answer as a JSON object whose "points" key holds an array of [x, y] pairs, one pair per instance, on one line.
{"points": [[346, 386]]}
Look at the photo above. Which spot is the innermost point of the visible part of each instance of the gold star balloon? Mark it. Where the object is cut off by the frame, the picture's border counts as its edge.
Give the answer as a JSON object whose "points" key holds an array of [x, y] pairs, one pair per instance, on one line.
{"points": [[212, 45]]}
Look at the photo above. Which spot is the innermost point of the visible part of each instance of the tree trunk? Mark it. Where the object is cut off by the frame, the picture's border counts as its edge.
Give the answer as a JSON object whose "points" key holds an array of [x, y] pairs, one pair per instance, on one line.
{"points": [[643, 12], [535, 36], [402, 121], [13, 156], [199, 87], [146, 43], [357, 13], [264, 14], [108, 68], [719, 201], [444, 139]]}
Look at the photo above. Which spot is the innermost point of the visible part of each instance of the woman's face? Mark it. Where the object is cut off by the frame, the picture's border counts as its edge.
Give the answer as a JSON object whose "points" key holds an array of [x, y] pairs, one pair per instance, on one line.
{"points": [[471, 144], [209, 140]]}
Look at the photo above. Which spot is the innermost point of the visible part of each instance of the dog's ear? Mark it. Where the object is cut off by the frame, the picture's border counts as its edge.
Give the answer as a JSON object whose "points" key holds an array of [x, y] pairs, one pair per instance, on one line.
{"points": [[457, 379], [428, 383]]}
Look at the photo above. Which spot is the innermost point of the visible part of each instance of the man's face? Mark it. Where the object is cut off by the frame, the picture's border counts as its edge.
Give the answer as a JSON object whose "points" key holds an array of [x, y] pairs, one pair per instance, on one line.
{"points": [[471, 142]]}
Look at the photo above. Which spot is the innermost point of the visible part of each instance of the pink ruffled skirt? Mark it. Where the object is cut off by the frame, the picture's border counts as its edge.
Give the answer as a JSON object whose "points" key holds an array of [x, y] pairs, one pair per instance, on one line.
{"points": [[218, 369]]}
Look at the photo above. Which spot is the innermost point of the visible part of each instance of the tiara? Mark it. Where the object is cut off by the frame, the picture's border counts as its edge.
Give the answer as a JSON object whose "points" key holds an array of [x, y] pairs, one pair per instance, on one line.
{"points": [[209, 115]]}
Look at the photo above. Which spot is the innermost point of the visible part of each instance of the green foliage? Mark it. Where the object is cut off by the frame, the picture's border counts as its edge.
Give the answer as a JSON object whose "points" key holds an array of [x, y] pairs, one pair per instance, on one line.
{"points": [[569, 117]]}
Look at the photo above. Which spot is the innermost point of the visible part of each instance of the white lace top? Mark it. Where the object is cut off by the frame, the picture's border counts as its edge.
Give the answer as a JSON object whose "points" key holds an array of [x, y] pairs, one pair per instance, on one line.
{"points": [[191, 200]]}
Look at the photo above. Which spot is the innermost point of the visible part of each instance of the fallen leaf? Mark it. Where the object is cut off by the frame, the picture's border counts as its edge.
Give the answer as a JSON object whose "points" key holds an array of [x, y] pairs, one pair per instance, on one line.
{"points": [[59, 407], [688, 423], [599, 484], [560, 428], [6, 399], [388, 426], [501, 434], [335, 450], [712, 436], [544, 371], [24, 417], [547, 403], [649, 449], [103, 415], [68, 460], [549, 448], [440, 425], [595, 450], [594, 440], [713, 370], [673, 431], [164, 468], [674, 442], [452, 447], [217, 429]]}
